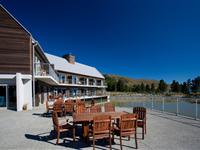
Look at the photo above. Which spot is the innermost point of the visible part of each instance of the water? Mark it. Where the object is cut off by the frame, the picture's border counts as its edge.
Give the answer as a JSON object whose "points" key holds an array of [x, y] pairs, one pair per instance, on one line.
{"points": [[185, 107]]}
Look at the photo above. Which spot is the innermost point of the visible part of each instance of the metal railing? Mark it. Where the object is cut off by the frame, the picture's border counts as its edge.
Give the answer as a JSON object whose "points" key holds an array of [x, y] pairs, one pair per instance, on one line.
{"points": [[45, 69], [187, 107], [82, 94], [84, 83]]}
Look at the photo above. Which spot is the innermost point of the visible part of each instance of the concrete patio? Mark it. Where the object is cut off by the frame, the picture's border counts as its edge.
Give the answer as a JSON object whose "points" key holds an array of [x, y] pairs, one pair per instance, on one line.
{"points": [[30, 130]]}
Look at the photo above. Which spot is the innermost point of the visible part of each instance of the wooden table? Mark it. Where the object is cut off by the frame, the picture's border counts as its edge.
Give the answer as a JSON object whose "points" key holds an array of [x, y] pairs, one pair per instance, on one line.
{"points": [[86, 118]]}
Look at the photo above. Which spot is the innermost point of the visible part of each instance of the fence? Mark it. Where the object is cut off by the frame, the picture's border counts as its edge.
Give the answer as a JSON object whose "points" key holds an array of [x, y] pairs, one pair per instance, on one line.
{"points": [[188, 107]]}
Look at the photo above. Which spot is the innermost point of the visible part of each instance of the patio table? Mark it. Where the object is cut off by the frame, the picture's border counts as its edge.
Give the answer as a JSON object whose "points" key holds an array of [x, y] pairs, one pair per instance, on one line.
{"points": [[86, 118]]}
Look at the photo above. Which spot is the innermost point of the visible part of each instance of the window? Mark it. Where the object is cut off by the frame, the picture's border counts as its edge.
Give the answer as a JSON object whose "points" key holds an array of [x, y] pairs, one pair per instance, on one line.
{"points": [[37, 66], [99, 83], [62, 78], [73, 92], [74, 80]]}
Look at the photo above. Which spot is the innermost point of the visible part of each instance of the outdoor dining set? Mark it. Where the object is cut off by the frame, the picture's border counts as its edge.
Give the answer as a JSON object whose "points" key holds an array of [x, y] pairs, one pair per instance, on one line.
{"points": [[96, 120]]}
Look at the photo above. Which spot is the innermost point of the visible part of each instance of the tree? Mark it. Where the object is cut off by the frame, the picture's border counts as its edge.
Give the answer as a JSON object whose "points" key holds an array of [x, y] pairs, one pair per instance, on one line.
{"points": [[185, 88], [137, 88], [126, 88], [142, 87], [147, 88], [162, 86], [134, 88], [111, 83], [121, 85], [153, 89], [196, 85], [175, 86]]}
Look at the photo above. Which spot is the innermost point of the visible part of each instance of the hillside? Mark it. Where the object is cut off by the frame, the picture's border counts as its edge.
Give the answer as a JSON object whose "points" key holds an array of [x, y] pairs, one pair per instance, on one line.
{"points": [[131, 81]]}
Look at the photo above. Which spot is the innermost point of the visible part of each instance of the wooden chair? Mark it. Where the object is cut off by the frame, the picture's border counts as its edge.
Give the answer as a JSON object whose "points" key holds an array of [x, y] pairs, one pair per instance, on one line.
{"points": [[61, 127], [141, 122], [95, 109], [126, 127], [58, 107], [80, 107], [69, 106], [101, 128], [109, 107]]}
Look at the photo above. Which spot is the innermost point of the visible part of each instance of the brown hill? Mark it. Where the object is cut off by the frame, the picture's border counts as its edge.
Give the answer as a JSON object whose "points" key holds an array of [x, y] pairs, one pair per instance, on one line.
{"points": [[131, 81]]}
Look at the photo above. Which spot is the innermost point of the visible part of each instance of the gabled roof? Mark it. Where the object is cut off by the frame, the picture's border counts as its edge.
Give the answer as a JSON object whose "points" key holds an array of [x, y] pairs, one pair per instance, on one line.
{"points": [[61, 64], [15, 19]]}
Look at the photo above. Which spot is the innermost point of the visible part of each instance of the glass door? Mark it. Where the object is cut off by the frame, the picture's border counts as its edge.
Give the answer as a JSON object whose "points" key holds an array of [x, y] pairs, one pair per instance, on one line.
{"points": [[3, 95], [12, 102]]}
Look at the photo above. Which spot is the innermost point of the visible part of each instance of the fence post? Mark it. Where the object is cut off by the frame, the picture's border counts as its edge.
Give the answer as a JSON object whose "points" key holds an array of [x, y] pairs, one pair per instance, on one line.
{"points": [[196, 116], [143, 103], [163, 104], [177, 111], [152, 103]]}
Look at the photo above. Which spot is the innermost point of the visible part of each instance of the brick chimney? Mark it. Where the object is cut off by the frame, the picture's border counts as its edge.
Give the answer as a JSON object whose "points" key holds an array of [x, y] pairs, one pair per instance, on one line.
{"points": [[70, 58]]}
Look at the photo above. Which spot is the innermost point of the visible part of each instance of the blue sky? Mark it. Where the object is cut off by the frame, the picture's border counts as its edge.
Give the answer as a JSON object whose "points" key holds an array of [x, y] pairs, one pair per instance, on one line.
{"points": [[150, 39]]}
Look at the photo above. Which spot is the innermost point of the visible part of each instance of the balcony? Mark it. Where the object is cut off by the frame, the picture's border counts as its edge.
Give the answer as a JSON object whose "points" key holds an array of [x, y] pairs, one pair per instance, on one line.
{"points": [[81, 92], [45, 73], [80, 82], [85, 95]]}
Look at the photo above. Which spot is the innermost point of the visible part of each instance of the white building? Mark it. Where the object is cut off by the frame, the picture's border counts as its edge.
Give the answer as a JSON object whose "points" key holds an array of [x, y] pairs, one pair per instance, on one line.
{"points": [[28, 75]]}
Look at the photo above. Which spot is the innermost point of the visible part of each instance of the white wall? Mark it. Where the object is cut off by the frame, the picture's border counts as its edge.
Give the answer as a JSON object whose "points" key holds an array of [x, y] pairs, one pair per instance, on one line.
{"points": [[19, 91], [27, 85], [24, 91]]}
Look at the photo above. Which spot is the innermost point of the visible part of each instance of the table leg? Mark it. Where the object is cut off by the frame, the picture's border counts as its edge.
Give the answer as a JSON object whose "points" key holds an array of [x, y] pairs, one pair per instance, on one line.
{"points": [[85, 129]]}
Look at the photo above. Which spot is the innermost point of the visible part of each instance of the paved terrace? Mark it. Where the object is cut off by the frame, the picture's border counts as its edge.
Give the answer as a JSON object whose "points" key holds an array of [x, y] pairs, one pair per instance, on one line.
{"points": [[29, 130]]}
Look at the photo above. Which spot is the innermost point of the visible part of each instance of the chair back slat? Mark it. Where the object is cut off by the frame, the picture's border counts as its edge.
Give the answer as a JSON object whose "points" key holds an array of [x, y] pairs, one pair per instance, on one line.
{"points": [[109, 107], [101, 124], [95, 109], [80, 107], [140, 111], [58, 105], [128, 122], [69, 106], [98, 108]]}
